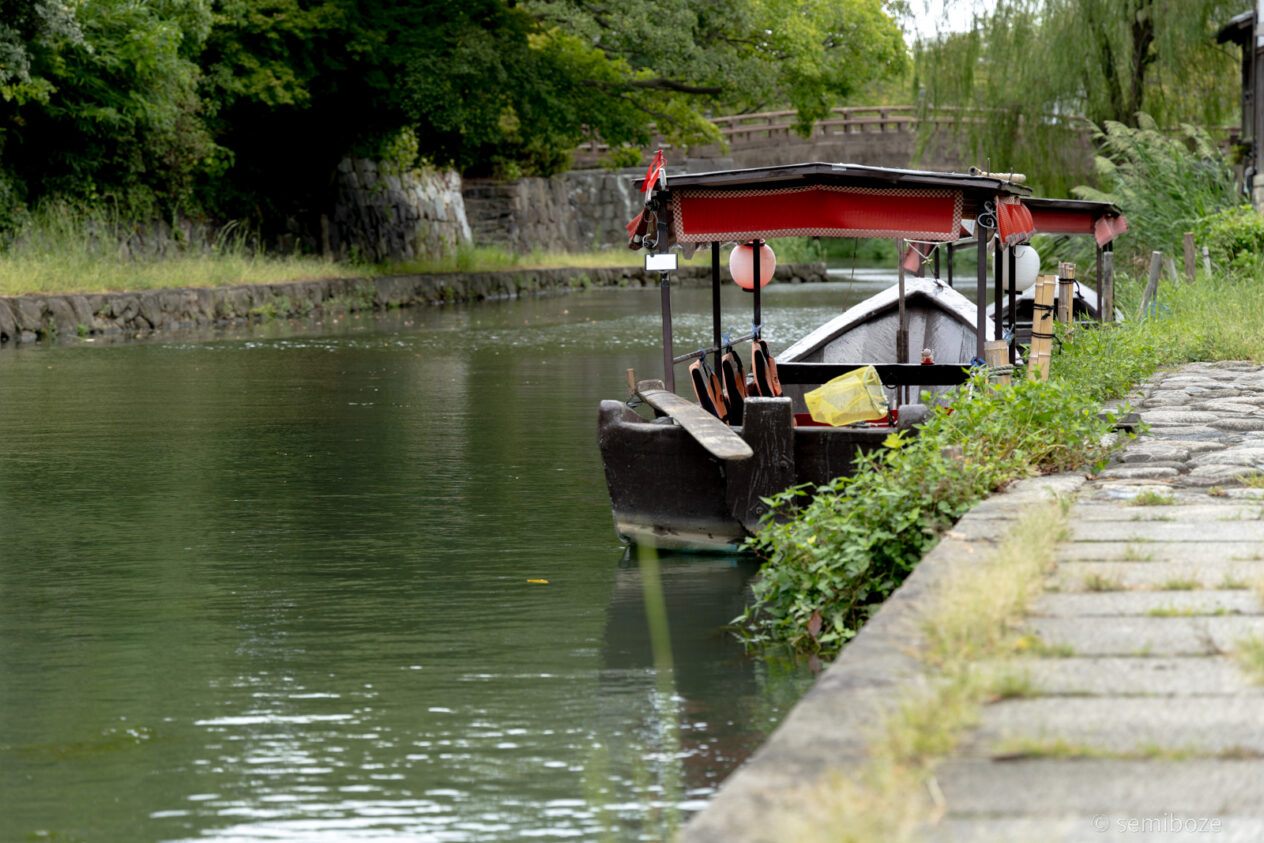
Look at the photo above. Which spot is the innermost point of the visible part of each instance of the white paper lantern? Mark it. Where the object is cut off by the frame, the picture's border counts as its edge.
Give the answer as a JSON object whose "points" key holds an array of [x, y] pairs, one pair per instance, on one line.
{"points": [[1026, 267]]}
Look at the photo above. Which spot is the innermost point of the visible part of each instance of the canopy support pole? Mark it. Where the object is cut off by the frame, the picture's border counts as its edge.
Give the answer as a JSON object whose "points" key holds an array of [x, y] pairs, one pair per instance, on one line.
{"points": [[980, 299], [755, 247], [715, 300], [1013, 303], [669, 368], [997, 292], [901, 333], [950, 250]]}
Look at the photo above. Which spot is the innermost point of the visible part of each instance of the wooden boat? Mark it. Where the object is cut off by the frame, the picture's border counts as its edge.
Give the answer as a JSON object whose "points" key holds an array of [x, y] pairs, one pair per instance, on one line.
{"points": [[683, 479], [941, 327]]}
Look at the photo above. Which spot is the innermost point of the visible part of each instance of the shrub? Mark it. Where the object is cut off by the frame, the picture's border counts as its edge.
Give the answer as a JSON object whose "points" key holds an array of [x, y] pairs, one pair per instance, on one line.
{"points": [[1234, 236], [832, 560]]}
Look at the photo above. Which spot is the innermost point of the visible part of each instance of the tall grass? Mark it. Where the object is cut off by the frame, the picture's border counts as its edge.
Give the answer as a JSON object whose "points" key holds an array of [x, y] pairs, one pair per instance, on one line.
{"points": [[67, 250], [1165, 182], [62, 250]]}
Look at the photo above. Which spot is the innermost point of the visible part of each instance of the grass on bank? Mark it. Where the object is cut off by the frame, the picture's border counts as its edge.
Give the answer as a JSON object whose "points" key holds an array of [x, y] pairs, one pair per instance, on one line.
{"points": [[65, 251]]}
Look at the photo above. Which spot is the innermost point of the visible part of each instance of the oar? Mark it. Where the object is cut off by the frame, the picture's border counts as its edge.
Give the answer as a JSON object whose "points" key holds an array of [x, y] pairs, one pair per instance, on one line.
{"points": [[711, 433]]}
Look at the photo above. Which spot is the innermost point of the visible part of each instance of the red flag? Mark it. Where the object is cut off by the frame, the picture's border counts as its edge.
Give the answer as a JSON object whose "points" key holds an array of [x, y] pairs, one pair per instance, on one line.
{"points": [[655, 170]]}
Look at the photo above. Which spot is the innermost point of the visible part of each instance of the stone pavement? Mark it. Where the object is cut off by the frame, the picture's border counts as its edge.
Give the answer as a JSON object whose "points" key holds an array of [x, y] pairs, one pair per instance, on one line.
{"points": [[1137, 721]]}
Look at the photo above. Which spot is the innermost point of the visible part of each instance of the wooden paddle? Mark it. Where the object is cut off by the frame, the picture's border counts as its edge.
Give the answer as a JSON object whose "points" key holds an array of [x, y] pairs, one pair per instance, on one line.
{"points": [[711, 433]]}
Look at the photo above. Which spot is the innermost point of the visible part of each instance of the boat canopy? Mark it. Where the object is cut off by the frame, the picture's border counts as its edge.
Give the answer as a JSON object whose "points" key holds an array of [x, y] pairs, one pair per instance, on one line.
{"points": [[828, 200], [1103, 220]]}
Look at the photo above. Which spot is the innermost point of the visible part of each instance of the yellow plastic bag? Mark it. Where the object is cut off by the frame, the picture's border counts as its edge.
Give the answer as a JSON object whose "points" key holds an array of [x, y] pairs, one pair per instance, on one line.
{"points": [[854, 397]]}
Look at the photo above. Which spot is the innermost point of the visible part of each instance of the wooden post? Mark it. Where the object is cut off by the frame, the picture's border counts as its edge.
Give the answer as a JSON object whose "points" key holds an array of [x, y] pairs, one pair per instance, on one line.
{"points": [[1106, 293], [1206, 260], [997, 354], [1066, 293], [1100, 286], [1189, 256], [769, 429], [1152, 286], [1169, 264]]}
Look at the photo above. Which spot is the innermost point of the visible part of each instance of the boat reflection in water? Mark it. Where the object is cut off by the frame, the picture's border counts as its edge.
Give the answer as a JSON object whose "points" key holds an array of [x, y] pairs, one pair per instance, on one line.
{"points": [[669, 634]]}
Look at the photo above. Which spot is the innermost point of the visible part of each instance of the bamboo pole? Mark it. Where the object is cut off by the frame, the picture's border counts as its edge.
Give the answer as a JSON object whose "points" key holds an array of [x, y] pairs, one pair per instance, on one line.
{"points": [[1188, 242], [1152, 286], [1066, 293], [1039, 354]]}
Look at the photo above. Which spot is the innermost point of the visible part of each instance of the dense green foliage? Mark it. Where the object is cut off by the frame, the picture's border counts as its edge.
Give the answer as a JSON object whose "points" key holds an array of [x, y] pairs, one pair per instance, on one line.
{"points": [[244, 107], [832, 560], [1033, 70]]}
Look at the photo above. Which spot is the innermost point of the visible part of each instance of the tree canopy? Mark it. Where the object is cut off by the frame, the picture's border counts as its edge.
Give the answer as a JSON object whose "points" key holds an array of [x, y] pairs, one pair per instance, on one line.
{"points": [[1030, 67], [244, 107]]}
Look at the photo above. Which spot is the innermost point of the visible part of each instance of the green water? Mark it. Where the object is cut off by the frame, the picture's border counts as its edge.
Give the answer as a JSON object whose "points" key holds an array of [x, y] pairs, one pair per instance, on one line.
{"points": [[275, 584]]}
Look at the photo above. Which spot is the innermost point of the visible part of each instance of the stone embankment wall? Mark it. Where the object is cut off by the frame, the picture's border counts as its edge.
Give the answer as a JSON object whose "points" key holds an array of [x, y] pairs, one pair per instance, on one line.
{"points": [[573, 212], [29, 318], [380, 215]]}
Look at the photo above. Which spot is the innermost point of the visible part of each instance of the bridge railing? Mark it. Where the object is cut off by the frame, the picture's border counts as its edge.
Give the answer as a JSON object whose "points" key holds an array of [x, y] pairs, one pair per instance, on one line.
{"points": [[766, 128], [741, 131]]}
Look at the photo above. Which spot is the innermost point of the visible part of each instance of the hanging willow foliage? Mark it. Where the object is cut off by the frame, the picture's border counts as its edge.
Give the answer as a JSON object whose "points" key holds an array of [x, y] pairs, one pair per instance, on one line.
{"points": [[1031, 76]]}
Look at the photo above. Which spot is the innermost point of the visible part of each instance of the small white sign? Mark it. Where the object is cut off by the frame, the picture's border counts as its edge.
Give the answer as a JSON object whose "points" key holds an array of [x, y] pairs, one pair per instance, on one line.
{"points": [[661, 263]]}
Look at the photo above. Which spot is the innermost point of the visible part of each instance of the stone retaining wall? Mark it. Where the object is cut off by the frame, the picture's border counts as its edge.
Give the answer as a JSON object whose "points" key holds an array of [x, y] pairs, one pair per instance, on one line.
{"points": [[29, 318], [388, 216]]}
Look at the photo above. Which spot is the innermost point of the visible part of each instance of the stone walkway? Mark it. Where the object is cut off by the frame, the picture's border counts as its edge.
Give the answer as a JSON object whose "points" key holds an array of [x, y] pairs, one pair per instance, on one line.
{"points": [[1138, 721]]}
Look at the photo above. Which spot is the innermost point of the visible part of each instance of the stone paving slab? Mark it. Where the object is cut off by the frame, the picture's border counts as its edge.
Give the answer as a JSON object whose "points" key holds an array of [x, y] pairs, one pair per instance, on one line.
{"points": [[1205, 725], [1129, 676], [1145, 636], [1124, 551], [1184, 513], [1108, 786], [1087, 800], [1156, 575], [1106, 604], [1167, 531], [1096, 828]]}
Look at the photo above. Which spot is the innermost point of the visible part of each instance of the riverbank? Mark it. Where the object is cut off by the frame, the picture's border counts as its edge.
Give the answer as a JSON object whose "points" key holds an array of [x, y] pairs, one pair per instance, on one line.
{"points": [[64, 317], [1136, 661]]}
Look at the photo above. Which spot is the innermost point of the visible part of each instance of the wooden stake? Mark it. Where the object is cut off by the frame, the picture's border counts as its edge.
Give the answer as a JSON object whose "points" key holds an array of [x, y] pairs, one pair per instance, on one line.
{"points": [[1152, 286], [1106, 295], [1189, 256], [996, 352], [1206, 260], [1170, 265], [631, 382]]}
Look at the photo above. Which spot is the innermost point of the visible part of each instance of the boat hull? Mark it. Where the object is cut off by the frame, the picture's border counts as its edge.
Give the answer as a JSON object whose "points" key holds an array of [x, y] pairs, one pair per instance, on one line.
{"points": [[666, 491]]}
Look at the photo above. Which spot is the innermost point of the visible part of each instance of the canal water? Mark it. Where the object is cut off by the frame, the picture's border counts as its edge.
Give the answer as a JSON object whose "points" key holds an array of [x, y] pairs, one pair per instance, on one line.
{"points": [[358, 580]]}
